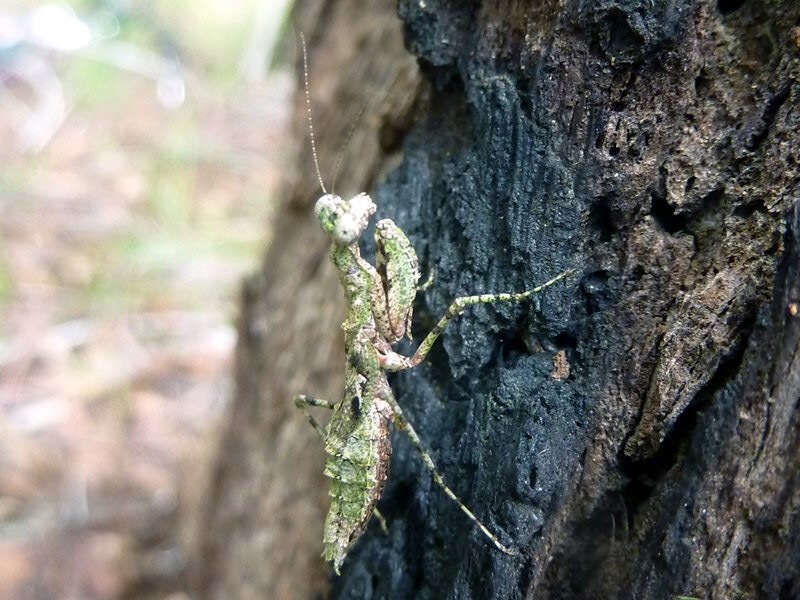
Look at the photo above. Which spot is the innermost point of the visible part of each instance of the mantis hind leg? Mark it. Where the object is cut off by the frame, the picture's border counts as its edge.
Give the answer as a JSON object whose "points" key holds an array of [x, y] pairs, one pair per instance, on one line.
{"points": [[404, 425], [302, 402]]}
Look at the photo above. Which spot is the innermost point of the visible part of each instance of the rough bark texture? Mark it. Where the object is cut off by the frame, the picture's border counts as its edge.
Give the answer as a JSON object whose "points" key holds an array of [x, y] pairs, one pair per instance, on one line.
{"points": [[636, 430]]}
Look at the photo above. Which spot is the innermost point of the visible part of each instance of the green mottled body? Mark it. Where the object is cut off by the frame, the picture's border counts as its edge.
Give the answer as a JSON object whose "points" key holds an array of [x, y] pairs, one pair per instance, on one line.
{"points": [[378, 311], [357, 436]]}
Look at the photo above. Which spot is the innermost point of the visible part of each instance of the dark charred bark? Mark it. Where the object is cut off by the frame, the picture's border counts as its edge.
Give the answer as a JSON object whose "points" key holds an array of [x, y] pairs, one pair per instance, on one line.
{"points": [[655, 148]]}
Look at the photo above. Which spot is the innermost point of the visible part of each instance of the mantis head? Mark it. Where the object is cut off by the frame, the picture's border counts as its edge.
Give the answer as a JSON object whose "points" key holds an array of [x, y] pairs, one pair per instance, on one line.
{"points": [[344, 220]]}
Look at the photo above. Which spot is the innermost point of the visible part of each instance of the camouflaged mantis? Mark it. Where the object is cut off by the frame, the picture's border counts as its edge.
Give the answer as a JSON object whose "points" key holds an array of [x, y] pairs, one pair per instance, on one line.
{"points": [[379, 303]]}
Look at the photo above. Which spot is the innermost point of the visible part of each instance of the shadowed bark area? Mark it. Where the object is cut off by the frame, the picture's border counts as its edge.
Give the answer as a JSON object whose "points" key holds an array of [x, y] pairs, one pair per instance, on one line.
{"points": [[634, 430]]}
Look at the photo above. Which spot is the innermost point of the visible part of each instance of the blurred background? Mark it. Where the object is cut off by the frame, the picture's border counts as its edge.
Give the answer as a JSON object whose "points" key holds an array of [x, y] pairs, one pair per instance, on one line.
{"points": [[139, 156]]}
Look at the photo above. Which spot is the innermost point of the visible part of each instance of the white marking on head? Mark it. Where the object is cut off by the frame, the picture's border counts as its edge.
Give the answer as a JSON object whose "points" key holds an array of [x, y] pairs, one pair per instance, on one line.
{"points": [[347, 228]]}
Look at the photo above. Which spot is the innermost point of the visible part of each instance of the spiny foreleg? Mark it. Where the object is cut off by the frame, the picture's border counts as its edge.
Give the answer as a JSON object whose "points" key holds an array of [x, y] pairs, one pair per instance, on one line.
{"points": [[392, 361], [403, 424], [302, 402]]}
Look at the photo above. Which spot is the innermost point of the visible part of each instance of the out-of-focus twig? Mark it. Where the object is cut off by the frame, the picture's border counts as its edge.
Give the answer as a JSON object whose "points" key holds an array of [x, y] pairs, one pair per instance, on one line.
{"points": [[25, 39], [41, 120], [257, 53]]}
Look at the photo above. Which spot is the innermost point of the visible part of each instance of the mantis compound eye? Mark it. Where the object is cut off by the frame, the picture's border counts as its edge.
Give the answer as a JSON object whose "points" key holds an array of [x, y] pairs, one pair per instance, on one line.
{"points": [[327, 210], [362, 207]]}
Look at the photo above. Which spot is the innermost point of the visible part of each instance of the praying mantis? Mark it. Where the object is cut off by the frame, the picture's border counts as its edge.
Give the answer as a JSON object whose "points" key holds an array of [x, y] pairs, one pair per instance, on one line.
{"points": [[379, 306]]}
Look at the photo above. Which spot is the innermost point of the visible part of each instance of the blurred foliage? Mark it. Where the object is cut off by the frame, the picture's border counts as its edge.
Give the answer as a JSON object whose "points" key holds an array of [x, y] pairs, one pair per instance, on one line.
{"points": [[123, 241], [5, 281], [170, 222], [93, 85]]}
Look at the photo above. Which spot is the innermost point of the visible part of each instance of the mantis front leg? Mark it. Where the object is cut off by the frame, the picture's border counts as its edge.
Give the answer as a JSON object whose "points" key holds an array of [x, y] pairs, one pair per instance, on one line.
{"points": [[392, 361]]}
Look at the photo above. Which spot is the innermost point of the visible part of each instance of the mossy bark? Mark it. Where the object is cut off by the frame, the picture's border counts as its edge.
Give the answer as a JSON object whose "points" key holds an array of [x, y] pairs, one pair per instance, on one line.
{"points": [[635, 431]]}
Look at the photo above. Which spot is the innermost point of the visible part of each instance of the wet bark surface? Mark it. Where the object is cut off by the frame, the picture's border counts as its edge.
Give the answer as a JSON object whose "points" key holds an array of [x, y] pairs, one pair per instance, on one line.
{"points": [[633, 430]]}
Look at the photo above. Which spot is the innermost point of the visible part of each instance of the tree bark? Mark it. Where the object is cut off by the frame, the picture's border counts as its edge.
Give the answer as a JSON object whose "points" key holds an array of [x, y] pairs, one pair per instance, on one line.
{"points": [[634, 430]]}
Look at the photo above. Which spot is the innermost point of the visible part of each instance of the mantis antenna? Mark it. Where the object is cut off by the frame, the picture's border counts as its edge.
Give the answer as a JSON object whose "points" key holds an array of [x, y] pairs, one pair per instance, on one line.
{"points": [[348, 139], [308, 112]]}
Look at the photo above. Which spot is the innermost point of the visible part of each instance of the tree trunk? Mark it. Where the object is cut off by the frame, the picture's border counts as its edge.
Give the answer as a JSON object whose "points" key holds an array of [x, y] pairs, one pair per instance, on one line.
{"points": [[634, 429]]}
